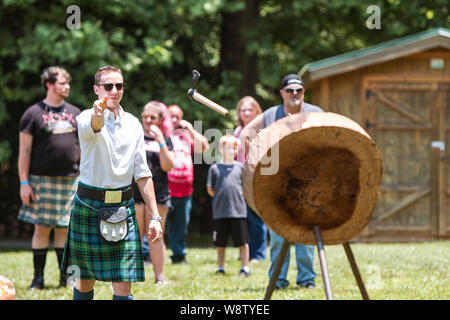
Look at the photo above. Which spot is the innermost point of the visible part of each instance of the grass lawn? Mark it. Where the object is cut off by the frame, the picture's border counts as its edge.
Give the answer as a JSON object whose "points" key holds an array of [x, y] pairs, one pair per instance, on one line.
{"points": [[419, 271]]}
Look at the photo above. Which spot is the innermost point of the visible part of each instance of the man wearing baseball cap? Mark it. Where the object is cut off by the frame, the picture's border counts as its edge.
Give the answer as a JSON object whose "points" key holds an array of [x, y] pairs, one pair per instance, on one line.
{"points": [[292, 93]]}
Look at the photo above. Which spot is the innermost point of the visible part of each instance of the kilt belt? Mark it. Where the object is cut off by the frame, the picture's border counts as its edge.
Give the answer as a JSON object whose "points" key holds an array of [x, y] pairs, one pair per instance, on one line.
{"points": [[106, 196]]}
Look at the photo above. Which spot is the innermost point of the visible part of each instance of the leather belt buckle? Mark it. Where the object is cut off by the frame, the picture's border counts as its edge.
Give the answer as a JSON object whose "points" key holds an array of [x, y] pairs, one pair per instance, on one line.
{"points": [[113, 196]]}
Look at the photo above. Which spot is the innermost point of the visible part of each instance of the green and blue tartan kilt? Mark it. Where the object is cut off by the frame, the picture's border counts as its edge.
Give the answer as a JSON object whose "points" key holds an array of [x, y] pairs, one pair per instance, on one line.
{"points": [[93, 256], [53, 201]]}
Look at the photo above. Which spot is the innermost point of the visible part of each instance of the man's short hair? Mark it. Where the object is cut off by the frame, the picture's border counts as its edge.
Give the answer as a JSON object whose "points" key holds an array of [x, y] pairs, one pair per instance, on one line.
{"points": [[105, 69], [51, 73]]}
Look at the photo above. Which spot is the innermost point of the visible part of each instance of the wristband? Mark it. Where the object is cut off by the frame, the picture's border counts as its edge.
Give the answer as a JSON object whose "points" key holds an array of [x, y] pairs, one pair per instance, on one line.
{"points": [[24, 182], [156, 218], [162, 144], [98, 115]]}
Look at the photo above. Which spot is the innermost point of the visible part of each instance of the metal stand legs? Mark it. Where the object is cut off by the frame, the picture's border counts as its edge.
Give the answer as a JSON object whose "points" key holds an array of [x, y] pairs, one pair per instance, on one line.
{"points": [[355, 270], [277, 270], [323, 266], [323, 263]]}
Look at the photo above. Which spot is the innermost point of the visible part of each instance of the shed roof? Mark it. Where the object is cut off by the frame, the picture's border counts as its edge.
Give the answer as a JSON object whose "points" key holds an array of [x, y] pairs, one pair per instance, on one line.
{"points": [[397, 48]]}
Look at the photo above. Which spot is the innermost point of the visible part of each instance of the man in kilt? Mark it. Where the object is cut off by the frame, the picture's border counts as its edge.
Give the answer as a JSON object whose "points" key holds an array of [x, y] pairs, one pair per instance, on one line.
{"points": [[103, 241], [49, 156]]}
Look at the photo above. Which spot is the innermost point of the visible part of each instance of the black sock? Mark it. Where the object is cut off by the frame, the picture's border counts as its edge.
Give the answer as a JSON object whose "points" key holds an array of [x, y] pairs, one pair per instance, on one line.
{"points": [[59, 255], [39, 258], [77, 295]]}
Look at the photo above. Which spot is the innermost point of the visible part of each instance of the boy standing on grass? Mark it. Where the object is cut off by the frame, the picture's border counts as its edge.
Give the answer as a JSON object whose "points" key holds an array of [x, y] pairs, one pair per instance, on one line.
{"points": [[224, 185]]}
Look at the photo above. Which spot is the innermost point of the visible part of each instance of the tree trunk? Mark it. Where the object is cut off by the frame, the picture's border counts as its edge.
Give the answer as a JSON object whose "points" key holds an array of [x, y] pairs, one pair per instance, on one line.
{"points": [[233, 51]]}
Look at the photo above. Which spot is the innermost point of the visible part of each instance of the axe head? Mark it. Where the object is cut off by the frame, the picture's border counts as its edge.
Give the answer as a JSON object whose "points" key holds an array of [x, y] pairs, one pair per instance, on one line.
{"points": [[195, 76]]}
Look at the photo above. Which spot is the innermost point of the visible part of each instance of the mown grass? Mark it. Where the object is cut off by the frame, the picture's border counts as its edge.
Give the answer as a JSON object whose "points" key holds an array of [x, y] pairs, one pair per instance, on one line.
{"points": [[419, 271]]}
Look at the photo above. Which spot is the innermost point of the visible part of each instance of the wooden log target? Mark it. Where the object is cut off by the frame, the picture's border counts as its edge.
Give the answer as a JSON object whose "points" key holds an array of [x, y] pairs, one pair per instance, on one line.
{"points": [[329, 174]]}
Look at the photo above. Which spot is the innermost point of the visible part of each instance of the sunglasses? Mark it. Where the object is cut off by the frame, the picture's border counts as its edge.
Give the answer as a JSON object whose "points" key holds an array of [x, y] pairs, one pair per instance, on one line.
{"points": [[110, 86], [290, 90]]}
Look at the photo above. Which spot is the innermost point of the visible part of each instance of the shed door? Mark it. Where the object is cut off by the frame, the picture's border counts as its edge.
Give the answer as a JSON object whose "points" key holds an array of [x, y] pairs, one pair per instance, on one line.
{"points": [[408, 121]]}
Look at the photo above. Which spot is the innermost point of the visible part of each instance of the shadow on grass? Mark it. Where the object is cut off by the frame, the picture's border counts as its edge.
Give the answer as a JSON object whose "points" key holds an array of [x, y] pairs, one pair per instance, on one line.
{"points": [[251, 290], [14, 250]]}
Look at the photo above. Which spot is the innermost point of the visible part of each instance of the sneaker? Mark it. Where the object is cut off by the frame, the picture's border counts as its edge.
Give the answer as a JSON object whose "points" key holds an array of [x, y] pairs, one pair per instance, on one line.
{"points": [[37, 284], [161, 282], [309, 286], [280, 287], [220, 271], [281, 284], [181, 261], [243, 273], [178, 260]]}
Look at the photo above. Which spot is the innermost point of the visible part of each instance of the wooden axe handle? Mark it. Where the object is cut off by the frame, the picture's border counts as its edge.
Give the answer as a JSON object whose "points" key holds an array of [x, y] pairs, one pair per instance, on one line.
{"points": [[209, 103]]}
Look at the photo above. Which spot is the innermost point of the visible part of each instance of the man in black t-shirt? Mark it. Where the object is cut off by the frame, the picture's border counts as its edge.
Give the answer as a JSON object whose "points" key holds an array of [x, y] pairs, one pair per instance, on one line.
{"points": [[49, 156]]}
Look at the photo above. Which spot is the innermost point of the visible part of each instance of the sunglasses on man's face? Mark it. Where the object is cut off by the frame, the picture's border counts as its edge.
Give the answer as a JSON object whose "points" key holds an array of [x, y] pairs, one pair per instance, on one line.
{"points": [[290, 90], [110, 86]]}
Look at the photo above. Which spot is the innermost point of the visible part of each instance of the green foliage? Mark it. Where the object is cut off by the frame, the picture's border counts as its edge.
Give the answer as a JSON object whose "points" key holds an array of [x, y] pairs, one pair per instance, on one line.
{"points": [[157, 44], [5, 151]]}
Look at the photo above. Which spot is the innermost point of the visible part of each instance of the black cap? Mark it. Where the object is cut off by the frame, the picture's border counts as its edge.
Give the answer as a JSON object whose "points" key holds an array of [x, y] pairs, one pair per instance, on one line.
{"points": [[291, 79]]}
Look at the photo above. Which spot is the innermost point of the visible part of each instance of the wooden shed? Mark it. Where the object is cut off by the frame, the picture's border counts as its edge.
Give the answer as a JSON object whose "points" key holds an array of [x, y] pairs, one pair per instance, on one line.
{"points": [[399, 92]]}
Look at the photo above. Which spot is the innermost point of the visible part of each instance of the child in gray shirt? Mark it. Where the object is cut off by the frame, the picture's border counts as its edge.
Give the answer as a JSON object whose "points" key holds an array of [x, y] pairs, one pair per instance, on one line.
{"points": [[224, 185]]}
